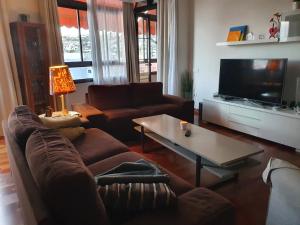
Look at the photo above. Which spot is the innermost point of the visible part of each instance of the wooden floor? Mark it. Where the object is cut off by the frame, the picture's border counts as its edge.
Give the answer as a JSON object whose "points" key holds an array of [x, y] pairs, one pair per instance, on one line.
{"points": [[249, 194], [10, 212]]}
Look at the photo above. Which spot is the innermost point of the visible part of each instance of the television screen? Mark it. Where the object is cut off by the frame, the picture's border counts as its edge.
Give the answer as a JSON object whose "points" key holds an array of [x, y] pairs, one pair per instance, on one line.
{"points": [[254, 79]]}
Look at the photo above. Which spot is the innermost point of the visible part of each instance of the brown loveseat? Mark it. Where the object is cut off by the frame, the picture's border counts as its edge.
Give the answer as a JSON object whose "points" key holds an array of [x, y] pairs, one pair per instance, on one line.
{"points": [[112, 107], [55, 179]]}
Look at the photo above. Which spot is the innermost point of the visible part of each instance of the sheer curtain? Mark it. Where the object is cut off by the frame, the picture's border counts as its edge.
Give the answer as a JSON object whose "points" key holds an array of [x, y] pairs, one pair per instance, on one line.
{"points": [[131, 41], [107, 34], [10, 95], [167, 46], [49, 16]]}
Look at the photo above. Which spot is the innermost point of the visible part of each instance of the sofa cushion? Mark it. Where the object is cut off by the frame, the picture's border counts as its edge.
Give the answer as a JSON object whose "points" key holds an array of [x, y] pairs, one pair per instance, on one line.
{"points": [[22, 122], [151, 110], [109, 96], [146, 93], [66, 185], [197, 207], [72, 133], [95, 145], [177, 184], [124, 113]]}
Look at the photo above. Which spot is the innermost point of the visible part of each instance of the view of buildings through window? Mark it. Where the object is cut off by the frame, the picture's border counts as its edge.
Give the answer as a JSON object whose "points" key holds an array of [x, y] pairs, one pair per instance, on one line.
{"points": [[76, 40]]}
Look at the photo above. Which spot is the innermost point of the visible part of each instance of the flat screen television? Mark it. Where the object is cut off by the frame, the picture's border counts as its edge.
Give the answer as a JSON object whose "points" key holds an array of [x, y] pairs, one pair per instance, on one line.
{"points": [[260, 80]]}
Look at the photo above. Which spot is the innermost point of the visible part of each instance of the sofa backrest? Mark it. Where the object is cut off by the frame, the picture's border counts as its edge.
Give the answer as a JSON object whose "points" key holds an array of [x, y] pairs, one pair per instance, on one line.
{"points": [[146, 93], [109, 96], [65, 183], [22, 122], [34, 209], [106, 97]]}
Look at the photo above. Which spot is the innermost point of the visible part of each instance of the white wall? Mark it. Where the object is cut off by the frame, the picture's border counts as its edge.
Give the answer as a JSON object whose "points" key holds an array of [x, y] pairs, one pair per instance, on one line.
{"points": [[78, 96], [29, 7], [212, 19], [185, 33]]}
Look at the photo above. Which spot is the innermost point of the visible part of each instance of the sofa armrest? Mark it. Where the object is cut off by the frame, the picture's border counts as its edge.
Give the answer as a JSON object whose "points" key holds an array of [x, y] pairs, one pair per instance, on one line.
{"points": [[284, 202], [187, 106], [199, 206], [207, 207], [286, 180], [95, 116], [87, 110]]}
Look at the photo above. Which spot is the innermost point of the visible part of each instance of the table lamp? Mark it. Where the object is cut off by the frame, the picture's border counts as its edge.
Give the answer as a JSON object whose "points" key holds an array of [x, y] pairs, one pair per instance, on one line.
{"points": [[61, 83]]}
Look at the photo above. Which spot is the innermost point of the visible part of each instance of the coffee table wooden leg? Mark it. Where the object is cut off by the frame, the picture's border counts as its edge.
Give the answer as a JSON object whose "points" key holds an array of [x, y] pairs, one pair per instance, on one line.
{"points": [[199, 167]]}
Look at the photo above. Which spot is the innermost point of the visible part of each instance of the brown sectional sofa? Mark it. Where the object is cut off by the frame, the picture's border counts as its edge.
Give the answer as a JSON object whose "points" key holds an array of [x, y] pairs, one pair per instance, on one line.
{"points": [[55, 185], [112, 107]]}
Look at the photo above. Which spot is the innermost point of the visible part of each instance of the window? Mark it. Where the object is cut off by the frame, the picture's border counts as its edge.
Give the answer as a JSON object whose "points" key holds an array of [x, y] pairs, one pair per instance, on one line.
{"points": [[146, 20], [76, 38]]}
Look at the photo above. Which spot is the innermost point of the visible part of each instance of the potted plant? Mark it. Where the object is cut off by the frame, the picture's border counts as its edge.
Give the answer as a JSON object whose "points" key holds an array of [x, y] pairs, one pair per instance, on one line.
{"points": [[187, 85], [296, 4]]}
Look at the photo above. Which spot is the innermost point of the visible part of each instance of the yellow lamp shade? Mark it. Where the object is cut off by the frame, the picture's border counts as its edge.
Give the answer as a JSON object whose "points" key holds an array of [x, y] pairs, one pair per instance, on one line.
{"points": [[61, 81]]}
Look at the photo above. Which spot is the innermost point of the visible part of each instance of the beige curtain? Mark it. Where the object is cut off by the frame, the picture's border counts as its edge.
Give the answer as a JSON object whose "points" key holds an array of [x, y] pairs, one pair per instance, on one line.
{"points": [[49, 17], [131, 49], [10, 94]]}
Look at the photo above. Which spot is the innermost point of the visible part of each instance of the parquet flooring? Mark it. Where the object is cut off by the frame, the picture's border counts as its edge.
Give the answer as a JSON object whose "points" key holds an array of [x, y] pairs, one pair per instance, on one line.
{"points": [[10, 212], [4, 164], [249, 193]]}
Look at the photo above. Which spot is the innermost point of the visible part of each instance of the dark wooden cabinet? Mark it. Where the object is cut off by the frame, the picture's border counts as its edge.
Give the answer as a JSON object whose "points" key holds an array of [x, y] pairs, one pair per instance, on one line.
{"points": [[32, 57]]}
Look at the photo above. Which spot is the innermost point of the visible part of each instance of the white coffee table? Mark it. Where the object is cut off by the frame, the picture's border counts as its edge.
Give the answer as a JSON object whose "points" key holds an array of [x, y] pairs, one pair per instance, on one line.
{"points": [[215, 152]]}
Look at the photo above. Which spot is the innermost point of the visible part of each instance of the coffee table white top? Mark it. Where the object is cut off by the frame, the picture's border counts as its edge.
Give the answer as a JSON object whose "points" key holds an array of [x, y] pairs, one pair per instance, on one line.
{"points": [[216, 148]]}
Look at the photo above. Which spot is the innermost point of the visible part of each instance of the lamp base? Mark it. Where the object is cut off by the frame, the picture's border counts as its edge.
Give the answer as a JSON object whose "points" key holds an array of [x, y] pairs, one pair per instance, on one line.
{"points": [[64, 110]]}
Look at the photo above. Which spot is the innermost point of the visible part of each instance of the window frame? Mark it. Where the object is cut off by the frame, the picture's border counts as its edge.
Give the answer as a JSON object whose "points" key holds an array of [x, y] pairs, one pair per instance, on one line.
{"points": [[139, 12], [78, 6]]}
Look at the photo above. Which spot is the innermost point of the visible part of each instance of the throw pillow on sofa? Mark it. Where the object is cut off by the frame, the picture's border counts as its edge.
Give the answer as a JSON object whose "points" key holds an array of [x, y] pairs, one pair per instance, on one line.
{"points": [[72, 133], [68, 188], [61, 121], [135, 186], [22, 122], [136, 197], [68, 126]]}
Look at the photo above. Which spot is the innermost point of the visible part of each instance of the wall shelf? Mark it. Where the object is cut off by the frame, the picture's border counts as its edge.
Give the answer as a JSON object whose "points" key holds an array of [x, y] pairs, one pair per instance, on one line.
{"points": [[257, 42]]}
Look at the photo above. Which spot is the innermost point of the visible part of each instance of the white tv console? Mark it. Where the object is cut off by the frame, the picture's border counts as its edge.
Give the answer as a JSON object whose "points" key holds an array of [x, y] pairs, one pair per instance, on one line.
{"points": [[281, 126]]}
